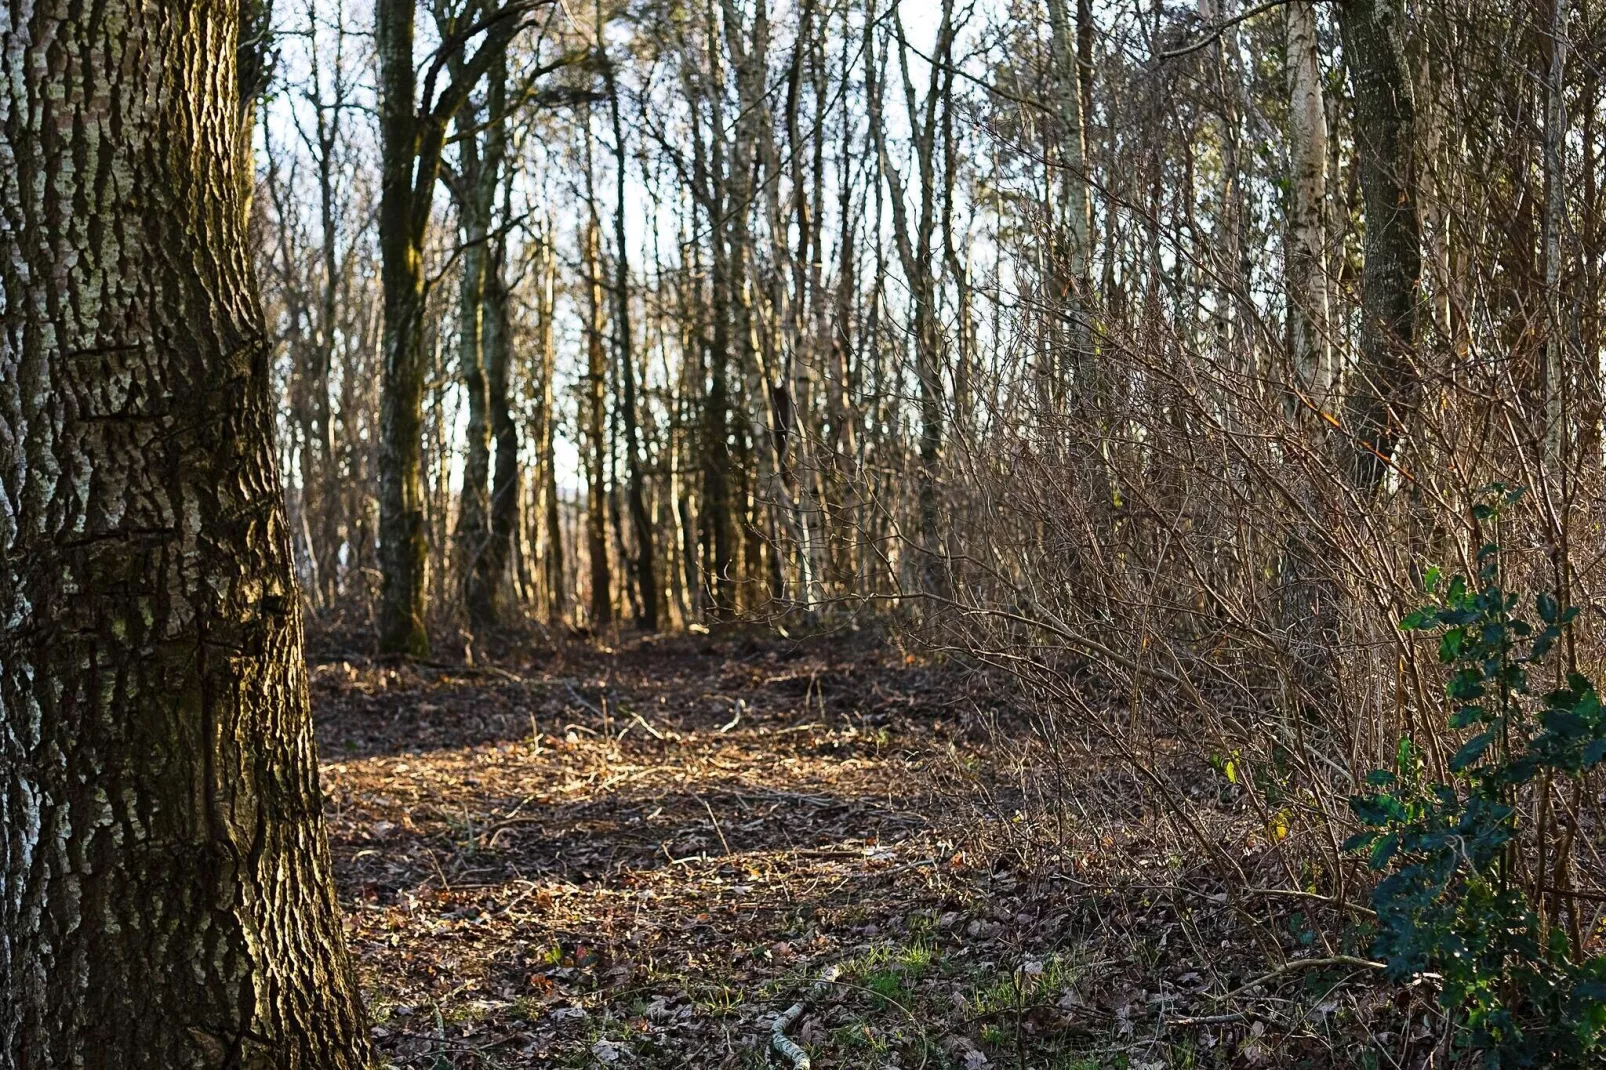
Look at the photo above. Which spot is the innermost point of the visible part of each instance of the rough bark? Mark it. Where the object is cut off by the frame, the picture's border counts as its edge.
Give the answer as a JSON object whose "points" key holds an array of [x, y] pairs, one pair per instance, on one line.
{"points": [[1386, 384], [165, 888]]}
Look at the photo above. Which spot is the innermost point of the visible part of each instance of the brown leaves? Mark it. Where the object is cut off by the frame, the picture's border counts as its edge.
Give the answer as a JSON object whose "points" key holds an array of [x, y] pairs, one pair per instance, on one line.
{"points": [[533, 877]]}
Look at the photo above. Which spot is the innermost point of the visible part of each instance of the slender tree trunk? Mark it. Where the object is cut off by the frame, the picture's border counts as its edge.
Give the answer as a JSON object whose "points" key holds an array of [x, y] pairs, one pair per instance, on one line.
{"points": [[596, 436], [1307, 211], [1072, 263], [557, 582], [915, 247], [715, 515], [412, 135], [328, 116], [484, 538], [1557, 397], [490, 577], [748, 68], [403, 547], [477, 186], [1588, 322], [1386, 380], [645, 566], [165, 888]]}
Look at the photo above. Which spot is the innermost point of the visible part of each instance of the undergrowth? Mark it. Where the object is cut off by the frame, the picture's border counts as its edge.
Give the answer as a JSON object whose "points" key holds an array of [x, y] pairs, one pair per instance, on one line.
{"points": [[1477, 853]]}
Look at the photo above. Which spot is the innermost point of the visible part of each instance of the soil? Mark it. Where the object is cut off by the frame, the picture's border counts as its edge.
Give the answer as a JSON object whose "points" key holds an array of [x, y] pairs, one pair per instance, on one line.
{"points": [[641, 855]]}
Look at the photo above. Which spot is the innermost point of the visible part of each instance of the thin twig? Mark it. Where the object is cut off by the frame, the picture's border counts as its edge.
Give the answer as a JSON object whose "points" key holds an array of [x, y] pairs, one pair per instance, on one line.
{"points": [[1304, 964], [715, 820]]}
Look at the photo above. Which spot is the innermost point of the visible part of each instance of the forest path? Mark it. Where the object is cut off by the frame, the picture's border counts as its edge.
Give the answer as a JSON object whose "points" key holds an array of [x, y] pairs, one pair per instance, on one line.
{"points": [[640, 856]]}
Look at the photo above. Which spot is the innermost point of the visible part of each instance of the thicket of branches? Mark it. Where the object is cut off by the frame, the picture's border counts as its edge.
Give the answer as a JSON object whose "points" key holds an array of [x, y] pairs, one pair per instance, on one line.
{"points": [[1148, 354]]}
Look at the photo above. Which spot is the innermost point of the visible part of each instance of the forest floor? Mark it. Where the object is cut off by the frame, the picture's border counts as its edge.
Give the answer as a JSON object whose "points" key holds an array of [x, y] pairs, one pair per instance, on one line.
{"points": [[640, 856]]}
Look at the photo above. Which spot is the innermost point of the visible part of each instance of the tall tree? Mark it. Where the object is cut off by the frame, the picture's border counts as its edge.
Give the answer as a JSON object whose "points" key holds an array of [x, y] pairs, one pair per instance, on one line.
{"points": [[412, 136], [915, 243], [1072, 265], [545, 433], [492, 565], [1307, 208], [1555, 155], [1385, 387], [596, 411], [645, 566], [476, 184], [715, 196], [165, 887]]}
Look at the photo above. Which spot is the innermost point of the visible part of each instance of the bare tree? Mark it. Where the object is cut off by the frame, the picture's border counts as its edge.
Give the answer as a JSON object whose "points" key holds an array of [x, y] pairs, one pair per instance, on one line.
{"points": [[413, 135], [1386, 384]]}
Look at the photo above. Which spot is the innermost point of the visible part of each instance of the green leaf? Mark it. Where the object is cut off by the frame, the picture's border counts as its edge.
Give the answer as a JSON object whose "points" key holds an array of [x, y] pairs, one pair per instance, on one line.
{"points": [[1546, 604], [1471, 751], [1377, 810], [1419, 619], [1360, 841]]}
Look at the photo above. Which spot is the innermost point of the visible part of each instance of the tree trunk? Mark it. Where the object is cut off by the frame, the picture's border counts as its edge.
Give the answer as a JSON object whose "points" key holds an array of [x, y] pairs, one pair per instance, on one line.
{"points": [[1386, 379], [165, 888], [403, 548], [709, 183], [1309, 597], [328, 116], [412, 135], [477, 187], [1072, 262], [1557, 392], [915, 248], [556, 576], [596, 437], [490, 576], [483, 536], [646, 568], [1307, 212]]}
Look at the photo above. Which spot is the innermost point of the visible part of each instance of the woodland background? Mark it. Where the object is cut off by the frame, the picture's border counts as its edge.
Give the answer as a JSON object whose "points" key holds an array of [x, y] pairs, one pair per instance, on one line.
{"points": [[1140, 363]]}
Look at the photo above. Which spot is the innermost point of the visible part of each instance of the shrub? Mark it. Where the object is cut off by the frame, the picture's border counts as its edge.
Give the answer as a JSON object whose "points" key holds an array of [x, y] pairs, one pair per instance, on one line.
{"points": [[1477, 858]]}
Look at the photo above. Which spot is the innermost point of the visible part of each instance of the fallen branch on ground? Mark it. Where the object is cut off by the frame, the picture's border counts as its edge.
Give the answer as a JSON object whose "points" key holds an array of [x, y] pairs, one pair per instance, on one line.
{"points": [[785, 1045], [1304, 964]]}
